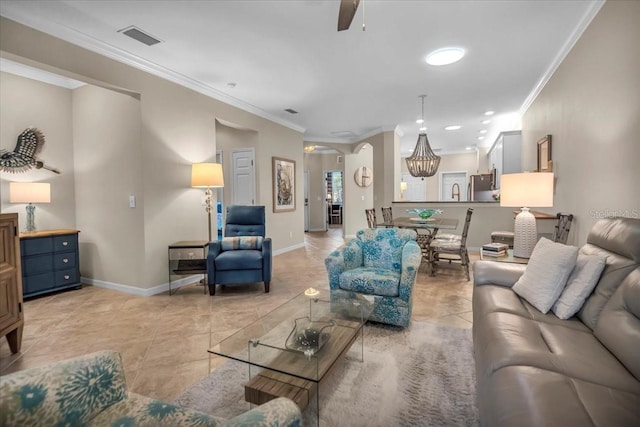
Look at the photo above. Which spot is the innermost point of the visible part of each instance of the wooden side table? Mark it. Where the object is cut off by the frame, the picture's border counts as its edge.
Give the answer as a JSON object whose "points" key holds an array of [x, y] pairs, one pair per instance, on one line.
{"points": [[187, 262]]}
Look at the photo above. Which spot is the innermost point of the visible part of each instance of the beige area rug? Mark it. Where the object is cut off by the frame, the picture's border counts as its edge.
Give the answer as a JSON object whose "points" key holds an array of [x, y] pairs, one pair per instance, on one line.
{"points": [[421, 376]]}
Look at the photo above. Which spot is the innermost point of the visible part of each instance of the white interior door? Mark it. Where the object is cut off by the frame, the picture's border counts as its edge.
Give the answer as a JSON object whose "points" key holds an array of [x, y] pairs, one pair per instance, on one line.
{"points": [[243, 177], [453, 186]]}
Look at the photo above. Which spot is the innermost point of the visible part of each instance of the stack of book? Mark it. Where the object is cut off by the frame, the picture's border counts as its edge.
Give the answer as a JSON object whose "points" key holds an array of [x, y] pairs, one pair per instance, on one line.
{"points": [[494, 249]]}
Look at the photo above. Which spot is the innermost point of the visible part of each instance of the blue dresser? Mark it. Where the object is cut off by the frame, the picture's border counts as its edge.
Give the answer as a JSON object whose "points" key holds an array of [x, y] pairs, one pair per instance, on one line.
{"points": [[50, 261]]}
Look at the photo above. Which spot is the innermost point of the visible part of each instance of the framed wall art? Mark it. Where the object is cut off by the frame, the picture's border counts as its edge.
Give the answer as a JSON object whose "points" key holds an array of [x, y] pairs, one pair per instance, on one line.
{"points": [[284, 185], [544, 154]]}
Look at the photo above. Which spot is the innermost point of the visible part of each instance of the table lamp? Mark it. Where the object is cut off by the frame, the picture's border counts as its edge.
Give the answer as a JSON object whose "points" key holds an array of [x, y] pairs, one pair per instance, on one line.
{"points": [[30, 192], [207, 175], [526, 189], [403, 188]]}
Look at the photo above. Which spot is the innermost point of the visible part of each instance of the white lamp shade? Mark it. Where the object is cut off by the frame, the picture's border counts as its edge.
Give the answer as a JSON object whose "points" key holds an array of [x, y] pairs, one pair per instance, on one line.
{"points": [[526, 189], [205, 175], [29, 192]]}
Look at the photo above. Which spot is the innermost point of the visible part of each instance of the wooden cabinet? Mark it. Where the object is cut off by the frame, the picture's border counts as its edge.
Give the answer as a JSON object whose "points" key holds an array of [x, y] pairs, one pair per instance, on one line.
{"points": [[50, 261], [506, 154], [11, 316]]}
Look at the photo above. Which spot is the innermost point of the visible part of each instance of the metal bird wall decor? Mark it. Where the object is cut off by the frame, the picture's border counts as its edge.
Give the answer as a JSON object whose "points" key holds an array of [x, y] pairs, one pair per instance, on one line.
{"points": [[23, 157]]}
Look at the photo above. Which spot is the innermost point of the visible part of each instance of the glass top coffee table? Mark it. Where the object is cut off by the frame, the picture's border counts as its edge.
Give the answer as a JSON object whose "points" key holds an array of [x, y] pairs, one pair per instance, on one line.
{"points": [[293, 348]]}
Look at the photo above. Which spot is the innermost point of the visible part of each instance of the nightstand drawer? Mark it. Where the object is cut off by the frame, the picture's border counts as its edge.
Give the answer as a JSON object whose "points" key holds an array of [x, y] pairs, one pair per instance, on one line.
{"points": [[65, 243], [42, 245], [66, 277], [64, 260], [37, 264], [38, 283]]}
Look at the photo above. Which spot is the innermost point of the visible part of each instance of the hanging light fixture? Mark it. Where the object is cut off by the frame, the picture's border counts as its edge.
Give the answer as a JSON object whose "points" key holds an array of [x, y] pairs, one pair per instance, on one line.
{"points": [[423, 162]]}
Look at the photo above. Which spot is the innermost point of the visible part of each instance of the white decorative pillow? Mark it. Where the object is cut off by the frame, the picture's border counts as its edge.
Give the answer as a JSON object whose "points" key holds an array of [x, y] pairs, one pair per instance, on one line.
{"points": [[546, 274], [582, 280]]}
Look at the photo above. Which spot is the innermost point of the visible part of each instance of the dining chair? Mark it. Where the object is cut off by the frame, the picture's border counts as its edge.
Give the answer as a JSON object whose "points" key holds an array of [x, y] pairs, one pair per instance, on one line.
{"points": [[453, 250], [371, 218], [335, 216], [387, 216]]}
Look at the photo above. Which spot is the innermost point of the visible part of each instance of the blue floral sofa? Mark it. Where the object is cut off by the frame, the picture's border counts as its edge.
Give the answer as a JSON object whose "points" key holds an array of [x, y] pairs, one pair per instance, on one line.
{"points": [[91, 391], [382, 262]]}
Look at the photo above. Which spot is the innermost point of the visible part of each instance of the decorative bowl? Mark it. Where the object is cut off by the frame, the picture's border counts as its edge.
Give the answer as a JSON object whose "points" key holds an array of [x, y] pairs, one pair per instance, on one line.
{"points": [[424, 213], [309, 336]]}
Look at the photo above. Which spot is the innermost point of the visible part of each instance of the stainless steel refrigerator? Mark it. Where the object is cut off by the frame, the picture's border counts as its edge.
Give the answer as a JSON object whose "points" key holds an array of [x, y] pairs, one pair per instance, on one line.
{"points": [[481, 187]]}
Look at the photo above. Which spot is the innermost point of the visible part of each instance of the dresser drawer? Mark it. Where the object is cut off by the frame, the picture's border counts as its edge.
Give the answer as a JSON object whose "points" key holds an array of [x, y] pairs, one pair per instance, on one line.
{"points": [[41, 245], [65, 243], [38, 283], [62, 260], [66, 277], [37, 264]]}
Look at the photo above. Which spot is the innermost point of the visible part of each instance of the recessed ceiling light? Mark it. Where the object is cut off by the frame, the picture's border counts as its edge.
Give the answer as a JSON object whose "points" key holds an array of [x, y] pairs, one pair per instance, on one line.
{"points": [[489, 113], [485, 122], [420, 121], [483, 131], [453, 127], [481, 138], [423, 128], [445, 56], [469, 148]]}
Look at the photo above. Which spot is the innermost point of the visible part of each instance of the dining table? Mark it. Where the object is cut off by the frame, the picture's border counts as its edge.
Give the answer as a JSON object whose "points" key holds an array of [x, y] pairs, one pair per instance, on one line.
{"points": [[430, 225]]}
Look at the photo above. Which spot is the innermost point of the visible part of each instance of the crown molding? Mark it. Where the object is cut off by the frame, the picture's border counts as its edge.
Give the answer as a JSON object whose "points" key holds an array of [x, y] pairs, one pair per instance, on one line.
{"points": [[586, 19], [87, 42]]}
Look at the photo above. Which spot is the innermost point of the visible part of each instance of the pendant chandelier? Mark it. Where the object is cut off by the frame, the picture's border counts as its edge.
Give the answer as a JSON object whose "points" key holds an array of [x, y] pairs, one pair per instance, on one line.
{"points": [[423, 162]]}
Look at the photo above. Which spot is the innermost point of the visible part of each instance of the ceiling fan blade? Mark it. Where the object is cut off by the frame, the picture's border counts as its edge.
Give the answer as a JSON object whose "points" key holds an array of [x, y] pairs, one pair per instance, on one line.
{"points": [[347, 12]]}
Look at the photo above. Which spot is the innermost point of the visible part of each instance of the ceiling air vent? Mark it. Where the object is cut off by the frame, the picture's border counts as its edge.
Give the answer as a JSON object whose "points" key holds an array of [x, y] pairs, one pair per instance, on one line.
{"points": [[139, 35], [291, 111]]}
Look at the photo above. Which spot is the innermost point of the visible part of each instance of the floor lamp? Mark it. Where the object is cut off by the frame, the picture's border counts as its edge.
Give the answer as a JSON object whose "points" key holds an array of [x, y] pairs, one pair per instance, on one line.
{"points": [[30, 192], [526, 189], [207, 175]]}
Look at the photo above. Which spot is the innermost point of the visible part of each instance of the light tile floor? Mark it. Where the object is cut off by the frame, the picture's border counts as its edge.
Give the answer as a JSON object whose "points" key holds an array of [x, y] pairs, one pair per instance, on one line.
{"points": [[164, 339]]}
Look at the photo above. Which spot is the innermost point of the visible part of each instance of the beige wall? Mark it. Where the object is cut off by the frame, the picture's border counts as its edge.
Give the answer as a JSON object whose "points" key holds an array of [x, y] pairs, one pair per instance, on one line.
{"points": [[177, 129], [591, 107], [108, 155], [28, 103]]}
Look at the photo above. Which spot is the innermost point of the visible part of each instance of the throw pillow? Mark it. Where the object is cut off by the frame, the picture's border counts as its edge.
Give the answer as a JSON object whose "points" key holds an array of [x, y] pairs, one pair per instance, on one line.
{"points": [[546, 274], [242, 242], [582, 280]]}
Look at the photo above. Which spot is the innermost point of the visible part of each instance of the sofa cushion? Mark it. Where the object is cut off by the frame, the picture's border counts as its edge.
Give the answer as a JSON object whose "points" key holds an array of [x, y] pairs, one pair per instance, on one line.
{"points": [[616, 269], [524, 396], [546, 274], [371, 281], [619, 324], [505, 339], [581, 282], [241, 242], [241, 259]]}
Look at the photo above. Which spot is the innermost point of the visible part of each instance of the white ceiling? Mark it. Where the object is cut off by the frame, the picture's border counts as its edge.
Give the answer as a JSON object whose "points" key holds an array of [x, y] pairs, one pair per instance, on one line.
{"points": [[345, 85]]}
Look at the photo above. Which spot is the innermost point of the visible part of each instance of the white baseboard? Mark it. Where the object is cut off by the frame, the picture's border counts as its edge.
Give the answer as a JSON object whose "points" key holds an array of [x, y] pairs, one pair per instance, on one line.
{"points": [[288, 249], [143, 292]]}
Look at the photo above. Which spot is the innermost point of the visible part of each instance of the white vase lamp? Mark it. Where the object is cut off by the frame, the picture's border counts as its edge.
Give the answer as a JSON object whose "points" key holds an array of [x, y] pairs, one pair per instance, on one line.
{"points": [[30, 192], [526, 189]]}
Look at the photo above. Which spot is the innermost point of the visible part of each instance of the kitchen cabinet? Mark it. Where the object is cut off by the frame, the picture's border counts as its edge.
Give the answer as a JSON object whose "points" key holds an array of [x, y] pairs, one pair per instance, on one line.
{"points": [[50, 261], [11, 315], [506, 154]]}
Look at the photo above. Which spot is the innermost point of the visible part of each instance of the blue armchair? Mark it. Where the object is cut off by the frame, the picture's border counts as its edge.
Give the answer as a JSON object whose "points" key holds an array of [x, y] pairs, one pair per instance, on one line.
{"points": [[382, 262], [244, 254]]}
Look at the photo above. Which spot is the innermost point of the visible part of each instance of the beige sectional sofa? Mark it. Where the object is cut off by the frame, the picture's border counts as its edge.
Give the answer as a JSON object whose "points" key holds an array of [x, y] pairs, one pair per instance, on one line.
{"points": [[534, 369]]}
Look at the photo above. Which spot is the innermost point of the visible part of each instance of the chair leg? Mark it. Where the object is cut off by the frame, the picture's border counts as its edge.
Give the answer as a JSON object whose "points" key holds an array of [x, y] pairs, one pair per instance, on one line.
{"points": [[266, 287], [212, 289], [465, 257]]}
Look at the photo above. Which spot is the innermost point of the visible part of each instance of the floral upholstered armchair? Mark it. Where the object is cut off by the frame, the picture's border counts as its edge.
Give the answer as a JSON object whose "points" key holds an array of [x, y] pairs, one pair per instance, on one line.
{"points": [[91, 391], [382, 262]]}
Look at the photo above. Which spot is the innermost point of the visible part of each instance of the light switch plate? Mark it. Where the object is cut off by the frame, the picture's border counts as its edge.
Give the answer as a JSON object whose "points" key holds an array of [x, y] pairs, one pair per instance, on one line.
{"points": [[132, 201]]}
